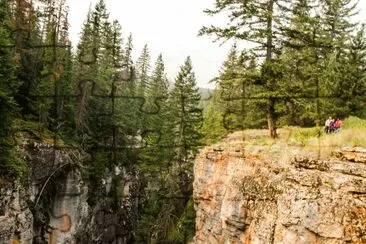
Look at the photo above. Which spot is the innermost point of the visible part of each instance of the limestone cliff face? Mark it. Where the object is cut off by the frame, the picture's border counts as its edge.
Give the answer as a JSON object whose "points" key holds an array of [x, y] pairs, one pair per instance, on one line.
{"points": [[51, 205], [279, 194]]}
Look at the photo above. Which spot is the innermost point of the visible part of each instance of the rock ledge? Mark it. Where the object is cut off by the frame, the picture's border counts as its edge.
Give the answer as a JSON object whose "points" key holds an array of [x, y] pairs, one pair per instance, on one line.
{"points": [[250, 197]]}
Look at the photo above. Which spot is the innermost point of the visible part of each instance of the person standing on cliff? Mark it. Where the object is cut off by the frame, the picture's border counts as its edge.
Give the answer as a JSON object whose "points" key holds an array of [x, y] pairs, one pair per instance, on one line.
{"points": [[337, 125], [327, 128]]}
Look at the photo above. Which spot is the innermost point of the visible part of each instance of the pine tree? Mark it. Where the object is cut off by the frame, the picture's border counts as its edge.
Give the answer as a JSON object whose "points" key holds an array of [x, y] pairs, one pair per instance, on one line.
{"points": [[156, 154], [143, 70], [351, 84], [142, 78], [213, 126], [230, 110], [89, 55], [338, 31], [128, 51], [27, 33], [260, 24], [300, 62], [186, 114], [85, 65], [100, 109], [10, 165], [156, 151], [130, 104], [336, 19], [184, 118], [45, 87]]}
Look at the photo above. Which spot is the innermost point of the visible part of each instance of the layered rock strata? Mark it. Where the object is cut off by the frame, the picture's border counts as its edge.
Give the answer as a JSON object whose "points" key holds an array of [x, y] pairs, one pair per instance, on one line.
{"points": [[279, 194]]}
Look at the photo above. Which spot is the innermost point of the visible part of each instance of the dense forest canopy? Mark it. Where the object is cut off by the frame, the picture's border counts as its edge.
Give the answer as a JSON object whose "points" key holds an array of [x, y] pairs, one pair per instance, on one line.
{"points": [[302, 61]]}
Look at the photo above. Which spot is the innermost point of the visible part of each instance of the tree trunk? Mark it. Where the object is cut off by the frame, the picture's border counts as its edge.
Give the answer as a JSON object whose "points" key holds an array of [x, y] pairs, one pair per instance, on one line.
{"points": [[271, 110], [271, 119]]}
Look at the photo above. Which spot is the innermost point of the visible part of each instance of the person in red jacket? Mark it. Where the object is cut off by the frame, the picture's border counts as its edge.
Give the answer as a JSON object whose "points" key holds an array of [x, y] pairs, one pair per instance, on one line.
{"points": [[337, 125]]}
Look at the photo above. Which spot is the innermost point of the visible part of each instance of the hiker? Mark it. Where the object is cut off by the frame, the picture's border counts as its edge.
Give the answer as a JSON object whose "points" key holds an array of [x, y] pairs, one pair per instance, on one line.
{"points": [[331, 126], [327, 125], [337, 125]]}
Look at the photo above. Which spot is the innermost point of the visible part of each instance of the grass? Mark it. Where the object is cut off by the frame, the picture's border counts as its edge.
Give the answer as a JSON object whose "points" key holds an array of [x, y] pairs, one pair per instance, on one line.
{"points": [[311, 141], [352, 134]]}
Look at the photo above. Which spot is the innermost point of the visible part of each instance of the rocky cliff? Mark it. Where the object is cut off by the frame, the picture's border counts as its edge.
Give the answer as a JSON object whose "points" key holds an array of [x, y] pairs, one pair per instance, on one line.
{"points": [[52, 203], [279, 194]]}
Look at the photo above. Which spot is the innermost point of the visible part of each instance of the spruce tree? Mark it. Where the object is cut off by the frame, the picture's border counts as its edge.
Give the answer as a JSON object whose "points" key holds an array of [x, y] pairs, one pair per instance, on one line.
{"points": [[301, 61], [230, 110], [156, 154], [45, 87], [175, 184], [85, 64], [351, 86], [10, 165], [143, 70], [156, 151], [88, 73], [186, 114], [27, 33], [338, 30]]}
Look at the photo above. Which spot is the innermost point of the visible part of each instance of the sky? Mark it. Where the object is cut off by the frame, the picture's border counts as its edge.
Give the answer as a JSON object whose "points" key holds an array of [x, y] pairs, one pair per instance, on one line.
{"points": [[169, 27]]}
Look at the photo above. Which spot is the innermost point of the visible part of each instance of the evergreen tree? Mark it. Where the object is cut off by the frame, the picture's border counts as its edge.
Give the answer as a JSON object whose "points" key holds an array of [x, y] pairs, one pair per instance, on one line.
{"points": [[46, 106], [86, 60], [89, 55], [313, 59], [127, 53], [10, 164], [143, 70], [27, 33], [338, 30], [213, 126], [232, 108], [177, 142], [156, 151], [186, 115], [100, 103], [142, 78], [66, 92], [257, 22], [336, 19], [348, 78], [300, 62]]}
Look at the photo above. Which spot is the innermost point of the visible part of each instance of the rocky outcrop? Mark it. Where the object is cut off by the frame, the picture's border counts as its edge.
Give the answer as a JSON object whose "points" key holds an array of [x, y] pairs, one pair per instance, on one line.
{"points": [[16, 219], [52, 204], [279, 194]]}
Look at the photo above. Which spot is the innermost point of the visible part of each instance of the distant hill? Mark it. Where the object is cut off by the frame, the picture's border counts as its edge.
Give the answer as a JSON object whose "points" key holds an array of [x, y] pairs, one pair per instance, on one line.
{"points": [[205, 93], [205, 96]]}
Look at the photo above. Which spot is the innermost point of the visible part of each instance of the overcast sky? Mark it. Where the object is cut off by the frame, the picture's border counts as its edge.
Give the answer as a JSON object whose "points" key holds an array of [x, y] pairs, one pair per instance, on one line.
{"points": [[169, 27]]}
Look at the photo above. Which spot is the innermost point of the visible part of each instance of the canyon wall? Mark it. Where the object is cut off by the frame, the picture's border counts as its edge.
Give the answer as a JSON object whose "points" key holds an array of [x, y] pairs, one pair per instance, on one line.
{"points": [[279, 194], [51, 204]]}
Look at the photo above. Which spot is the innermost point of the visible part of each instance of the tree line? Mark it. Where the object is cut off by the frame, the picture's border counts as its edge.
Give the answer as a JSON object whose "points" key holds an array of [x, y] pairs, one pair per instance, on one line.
{"points": [[294, 63], [96, 98]]}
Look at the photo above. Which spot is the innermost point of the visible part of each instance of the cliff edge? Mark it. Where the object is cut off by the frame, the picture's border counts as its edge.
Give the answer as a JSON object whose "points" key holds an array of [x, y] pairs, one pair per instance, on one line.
{"points": [[279, 194]]}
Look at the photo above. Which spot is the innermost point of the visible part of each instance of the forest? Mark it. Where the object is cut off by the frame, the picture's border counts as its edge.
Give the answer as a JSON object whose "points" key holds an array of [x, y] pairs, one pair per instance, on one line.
{"points": [[294, 63]]}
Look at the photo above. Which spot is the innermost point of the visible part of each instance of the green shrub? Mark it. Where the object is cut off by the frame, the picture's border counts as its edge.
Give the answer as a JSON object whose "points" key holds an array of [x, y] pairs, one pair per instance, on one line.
{"points": [[11, 164], [354, 123], [303, 135], [186, 227]]}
